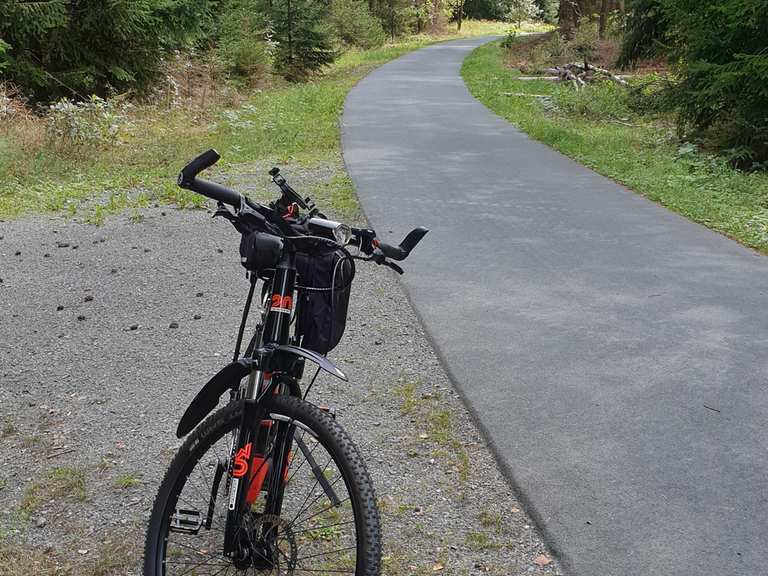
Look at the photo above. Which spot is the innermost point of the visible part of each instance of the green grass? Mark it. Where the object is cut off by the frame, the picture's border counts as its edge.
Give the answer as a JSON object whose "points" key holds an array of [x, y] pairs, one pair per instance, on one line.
{"points": [[126, 481], [65, 483], [637, 150], [283, 125]]}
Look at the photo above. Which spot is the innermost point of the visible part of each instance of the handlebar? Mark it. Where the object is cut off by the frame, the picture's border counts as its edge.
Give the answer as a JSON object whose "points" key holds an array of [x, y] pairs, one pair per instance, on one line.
{"points": [[365, 239], [188, 179], [402, 251]]}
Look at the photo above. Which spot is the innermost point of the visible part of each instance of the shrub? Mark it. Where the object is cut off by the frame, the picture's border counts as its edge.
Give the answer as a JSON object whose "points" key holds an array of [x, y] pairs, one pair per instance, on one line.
{"points": [[355, 25], [510, 39], [78, 47], [599, 100], [522, 10], [718, 48], [95, 122], [245, 39], [303, 37], [585, 40], [548, 10]]}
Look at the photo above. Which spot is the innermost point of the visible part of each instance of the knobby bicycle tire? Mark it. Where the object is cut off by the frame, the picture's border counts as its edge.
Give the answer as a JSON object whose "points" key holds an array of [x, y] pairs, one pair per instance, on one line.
{"points": [[167, 548]]}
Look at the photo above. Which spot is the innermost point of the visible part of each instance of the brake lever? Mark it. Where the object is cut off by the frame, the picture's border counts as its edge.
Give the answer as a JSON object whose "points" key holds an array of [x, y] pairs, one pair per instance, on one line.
{"points": [[394, 266], [381, 259], [223, 212]]}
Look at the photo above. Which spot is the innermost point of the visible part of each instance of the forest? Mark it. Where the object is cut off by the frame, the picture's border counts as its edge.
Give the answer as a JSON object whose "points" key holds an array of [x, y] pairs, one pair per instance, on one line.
{"points": [[108, 86], [75, 48]]}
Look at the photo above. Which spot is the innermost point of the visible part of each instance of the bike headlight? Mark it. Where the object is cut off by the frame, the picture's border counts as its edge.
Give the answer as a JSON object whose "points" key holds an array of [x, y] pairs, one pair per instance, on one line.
{"points": [[330, 229]]}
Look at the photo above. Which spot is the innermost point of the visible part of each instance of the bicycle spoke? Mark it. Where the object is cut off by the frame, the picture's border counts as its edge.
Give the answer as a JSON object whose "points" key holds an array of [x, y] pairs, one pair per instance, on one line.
{"points": [[315, 500], [310, 491], [326, 553], [307, 534]]}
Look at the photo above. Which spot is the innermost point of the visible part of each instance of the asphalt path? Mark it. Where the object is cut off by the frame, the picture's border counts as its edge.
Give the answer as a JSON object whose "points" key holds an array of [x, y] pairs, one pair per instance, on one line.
{"points": [[615, 353]]}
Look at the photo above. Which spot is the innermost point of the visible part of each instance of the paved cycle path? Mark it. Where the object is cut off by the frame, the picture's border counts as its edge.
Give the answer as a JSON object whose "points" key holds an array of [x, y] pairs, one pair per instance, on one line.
{"points": [[615, 353]]}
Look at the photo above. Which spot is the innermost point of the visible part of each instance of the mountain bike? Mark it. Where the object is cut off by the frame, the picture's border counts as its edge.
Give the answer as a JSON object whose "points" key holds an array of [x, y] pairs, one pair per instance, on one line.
{"points": [[270, 483]]}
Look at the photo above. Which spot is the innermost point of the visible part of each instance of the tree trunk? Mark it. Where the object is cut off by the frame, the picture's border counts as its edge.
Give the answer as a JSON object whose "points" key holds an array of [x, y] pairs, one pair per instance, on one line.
{"points": [[417, 9], [603, 20], [568, 15], [461, 14], [290, 34]]}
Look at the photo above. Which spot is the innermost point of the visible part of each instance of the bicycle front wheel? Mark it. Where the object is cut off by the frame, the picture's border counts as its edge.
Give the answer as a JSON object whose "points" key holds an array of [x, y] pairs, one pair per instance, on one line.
{"points": [[327, 524]]}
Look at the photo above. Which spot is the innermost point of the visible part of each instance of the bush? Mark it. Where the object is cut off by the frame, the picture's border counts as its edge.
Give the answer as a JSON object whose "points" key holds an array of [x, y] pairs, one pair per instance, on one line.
{"points": [[548, 10], [95, 122], [718, 48], [244, 40], [354, 24], [303, 35], [79, 47], [4, 58], [599, 100], [510, 39], [585, 40]]}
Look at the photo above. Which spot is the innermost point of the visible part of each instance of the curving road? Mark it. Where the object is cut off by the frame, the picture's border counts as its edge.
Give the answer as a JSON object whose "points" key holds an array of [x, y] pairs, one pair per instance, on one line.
{"points": [[616, 354]]}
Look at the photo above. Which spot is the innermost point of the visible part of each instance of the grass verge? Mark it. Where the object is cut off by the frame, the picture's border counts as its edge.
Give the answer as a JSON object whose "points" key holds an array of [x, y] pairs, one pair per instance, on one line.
{"points": [[286, 124], [637, 149]]}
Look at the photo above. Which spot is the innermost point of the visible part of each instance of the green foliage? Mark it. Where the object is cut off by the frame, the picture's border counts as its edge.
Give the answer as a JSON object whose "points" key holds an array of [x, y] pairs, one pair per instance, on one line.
{"points": [[641, 153], [585, 40], [723, 55], [599, 100], [4, 59], [548, 10], [244, 38], [486, 9], [303, 35], [719, 50], [355, 25], [510, 39], [511, 10], [95, 122], [79, 47], [645, 30], [521, 10], [396, 16]]}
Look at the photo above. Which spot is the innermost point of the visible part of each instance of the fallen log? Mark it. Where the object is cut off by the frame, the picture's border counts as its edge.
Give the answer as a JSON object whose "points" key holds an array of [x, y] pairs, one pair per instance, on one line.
{"points": [[579, 74]]}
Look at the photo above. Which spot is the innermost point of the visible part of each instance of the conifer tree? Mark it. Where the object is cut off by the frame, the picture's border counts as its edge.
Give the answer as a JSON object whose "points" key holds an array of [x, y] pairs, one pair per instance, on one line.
{"points": [[76, 48], [303, 35]]}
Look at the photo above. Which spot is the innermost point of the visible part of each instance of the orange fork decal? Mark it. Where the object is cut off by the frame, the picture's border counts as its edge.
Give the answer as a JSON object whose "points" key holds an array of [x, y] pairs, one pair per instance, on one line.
{"points": [[240, 466], [259, 470]]}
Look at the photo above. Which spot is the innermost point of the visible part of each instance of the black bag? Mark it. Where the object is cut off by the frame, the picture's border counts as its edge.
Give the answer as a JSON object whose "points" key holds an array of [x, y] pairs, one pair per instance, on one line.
{"points": [[323, 298]]}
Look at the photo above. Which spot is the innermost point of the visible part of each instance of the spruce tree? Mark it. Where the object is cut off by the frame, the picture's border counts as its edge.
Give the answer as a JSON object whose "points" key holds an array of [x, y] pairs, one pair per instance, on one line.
{"points": [[76, 48], [303, 34]]}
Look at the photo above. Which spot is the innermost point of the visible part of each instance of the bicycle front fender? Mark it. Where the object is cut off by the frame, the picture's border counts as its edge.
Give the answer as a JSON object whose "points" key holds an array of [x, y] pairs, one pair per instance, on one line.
{"points": [[229, 377], [207, 399], [284, 352]]}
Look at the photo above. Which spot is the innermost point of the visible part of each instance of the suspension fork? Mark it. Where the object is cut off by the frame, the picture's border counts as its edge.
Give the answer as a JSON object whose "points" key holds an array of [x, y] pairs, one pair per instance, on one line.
{"points": [[280, 462], [240, 471], [252, 439]]}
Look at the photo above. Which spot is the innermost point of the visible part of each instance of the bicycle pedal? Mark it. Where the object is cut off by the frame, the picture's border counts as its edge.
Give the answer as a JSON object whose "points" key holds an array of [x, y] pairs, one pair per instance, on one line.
{"points": [[186, 521], [330, 410]]}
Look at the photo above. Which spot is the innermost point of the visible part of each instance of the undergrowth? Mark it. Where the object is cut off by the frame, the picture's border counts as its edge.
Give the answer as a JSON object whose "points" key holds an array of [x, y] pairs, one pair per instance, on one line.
{"points": [[96, 158]]}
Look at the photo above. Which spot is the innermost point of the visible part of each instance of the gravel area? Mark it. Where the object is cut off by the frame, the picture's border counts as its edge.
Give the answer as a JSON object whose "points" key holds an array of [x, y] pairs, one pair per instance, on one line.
{"points": [[107, 332]]}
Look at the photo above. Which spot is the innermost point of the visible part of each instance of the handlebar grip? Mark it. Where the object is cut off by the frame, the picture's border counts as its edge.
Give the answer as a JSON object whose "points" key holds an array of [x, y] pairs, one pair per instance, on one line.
{"points": [[216, 191], [413, 238], [188, 173], [393, 252], [409, 242]]}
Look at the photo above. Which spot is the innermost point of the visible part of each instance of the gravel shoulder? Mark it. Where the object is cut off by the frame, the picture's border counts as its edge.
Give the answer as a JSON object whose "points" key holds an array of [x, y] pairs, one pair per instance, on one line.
{"points": [[107, 332]]}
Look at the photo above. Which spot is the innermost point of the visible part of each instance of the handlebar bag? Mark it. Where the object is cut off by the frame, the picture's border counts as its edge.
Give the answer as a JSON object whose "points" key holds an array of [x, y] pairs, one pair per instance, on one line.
{"points": [[323, 298]]}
